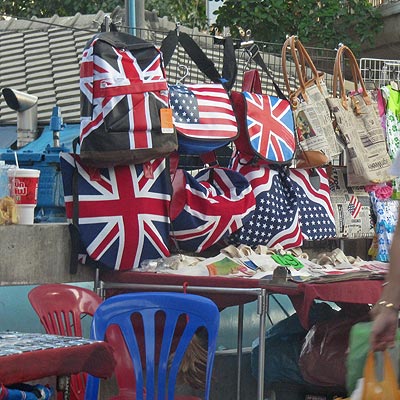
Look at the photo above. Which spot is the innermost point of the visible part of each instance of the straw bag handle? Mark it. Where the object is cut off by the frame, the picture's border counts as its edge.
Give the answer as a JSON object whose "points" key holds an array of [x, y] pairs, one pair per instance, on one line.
{"points": [[301, 59], [356, 74]]}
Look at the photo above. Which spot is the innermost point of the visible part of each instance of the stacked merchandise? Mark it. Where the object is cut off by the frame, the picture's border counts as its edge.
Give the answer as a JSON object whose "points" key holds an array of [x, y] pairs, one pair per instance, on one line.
{"points": [[129, 200]]}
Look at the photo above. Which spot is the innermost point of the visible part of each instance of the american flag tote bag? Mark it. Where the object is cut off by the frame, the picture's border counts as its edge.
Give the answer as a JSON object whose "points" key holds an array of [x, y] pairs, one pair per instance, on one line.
{"points": [[317, 219], [266, 125], [202, 112], [125, 113], [208, 207], [122, 212], [276, 218]]}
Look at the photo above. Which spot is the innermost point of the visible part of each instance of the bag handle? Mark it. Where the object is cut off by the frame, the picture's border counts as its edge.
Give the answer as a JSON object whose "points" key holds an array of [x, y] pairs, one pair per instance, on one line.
{"points": [[256, 56], [356, 74], [389, 385], [301, 59], [251, 81], [203, 62]]}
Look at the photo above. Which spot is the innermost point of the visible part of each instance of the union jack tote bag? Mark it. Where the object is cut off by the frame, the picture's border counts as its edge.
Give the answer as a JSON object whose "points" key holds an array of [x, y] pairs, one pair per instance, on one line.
{"points": [[208, 207], [122, 212], [125, 113], [276, 219], [317, 219], [266, 125]]}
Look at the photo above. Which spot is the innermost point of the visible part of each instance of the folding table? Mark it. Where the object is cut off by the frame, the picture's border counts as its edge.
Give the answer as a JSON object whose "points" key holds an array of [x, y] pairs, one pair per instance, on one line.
{"points": [[230, 291]]}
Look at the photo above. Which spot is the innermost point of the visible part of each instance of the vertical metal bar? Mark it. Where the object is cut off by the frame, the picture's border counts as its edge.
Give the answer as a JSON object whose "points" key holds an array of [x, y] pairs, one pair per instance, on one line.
{"points": [[239, 351], [262, 306], [130, 6]]}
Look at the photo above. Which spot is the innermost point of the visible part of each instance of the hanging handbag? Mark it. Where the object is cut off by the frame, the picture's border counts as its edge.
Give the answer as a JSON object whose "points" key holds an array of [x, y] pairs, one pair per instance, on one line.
{"points": [[202, 112], [351, 206], [359, 126], [208, 207], [317, 220], [276, 217], [119, 216], [311, 114], [266, 126]]}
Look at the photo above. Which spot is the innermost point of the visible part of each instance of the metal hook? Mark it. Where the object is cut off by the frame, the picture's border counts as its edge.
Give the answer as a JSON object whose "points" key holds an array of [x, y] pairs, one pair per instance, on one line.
{"points": [[183, 72]]}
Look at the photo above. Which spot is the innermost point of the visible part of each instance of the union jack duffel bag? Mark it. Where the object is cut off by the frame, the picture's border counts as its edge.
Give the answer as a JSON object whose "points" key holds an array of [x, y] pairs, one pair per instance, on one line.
{"points": [[208, 207], [125, 113], [202, 112], [118, 215]]}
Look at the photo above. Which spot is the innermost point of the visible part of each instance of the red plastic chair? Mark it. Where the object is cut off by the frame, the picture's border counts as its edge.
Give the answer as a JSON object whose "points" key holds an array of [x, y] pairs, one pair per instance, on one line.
{"points": [[60, 308]]}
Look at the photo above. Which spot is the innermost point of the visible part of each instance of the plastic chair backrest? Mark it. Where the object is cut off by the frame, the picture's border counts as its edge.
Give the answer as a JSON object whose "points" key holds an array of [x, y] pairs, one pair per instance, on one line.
{"points": [[60, 308], [157, 328]]}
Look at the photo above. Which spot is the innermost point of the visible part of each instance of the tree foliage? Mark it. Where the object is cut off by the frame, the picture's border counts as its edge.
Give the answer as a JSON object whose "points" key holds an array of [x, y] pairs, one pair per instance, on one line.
{"points": [[189, 13], [45, 8], [317, 23]]}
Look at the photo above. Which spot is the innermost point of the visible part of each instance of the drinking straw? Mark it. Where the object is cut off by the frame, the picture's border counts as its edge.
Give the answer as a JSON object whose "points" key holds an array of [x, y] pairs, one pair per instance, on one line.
{"points": [[16, 159]]}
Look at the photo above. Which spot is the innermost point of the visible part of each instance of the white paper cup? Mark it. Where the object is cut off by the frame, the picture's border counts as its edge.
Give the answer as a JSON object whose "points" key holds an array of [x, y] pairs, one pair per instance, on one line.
{"points": [[24, 185]]}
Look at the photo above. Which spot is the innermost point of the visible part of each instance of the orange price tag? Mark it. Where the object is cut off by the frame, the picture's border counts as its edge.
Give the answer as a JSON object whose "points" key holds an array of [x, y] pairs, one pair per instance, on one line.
{"points": [[167, 125]]}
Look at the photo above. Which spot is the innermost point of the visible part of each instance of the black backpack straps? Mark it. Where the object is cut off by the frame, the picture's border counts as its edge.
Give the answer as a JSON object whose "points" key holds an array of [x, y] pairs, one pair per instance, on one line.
{"points": [[194, 51], [230, 68], [73, 227], [202, 61], [256, 56], [168, 46]]}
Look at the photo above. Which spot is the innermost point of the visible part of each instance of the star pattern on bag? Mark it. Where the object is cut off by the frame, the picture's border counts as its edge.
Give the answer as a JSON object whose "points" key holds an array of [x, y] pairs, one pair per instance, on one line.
{"points": [[314, 221], [317, 221], [276, 217]]}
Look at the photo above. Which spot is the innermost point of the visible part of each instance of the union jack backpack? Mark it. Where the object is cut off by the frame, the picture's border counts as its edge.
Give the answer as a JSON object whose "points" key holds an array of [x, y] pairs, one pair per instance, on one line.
{"points": [[125, 114]]}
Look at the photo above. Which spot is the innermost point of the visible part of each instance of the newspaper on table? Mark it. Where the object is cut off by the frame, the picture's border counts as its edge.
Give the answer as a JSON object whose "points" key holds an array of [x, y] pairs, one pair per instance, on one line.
{"points": [[351, 207]]}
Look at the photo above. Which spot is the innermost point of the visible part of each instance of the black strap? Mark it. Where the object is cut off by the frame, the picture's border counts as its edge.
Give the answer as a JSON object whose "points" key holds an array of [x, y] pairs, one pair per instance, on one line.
{"points": [[203, 62], [74, 226], [256, 56]]}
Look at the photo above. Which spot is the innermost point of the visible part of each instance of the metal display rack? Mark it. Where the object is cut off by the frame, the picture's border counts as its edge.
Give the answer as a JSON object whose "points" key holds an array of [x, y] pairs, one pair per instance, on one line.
{"points": [[379, 71]]}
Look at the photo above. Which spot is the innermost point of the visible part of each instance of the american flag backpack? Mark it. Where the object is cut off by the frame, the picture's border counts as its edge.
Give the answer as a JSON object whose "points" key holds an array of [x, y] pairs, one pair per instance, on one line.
{"points": [[125, 113], [202, 112]]}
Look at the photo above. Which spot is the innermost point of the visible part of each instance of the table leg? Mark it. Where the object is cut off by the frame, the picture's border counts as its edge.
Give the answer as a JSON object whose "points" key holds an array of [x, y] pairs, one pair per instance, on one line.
{"points": [[239, 351], [63, 386], [262, 306]]}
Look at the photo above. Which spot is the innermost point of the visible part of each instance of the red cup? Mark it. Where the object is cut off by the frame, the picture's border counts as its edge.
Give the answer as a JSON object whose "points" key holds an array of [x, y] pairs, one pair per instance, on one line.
{"points": [[24, 185]]}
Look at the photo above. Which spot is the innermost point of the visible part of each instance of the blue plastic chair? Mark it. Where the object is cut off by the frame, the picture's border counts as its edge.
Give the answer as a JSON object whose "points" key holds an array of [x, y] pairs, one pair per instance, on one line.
{"points": [[157, 329]]}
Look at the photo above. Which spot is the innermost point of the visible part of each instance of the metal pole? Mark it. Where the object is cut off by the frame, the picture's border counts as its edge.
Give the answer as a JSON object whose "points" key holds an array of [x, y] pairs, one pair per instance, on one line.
{"points": [[239, 351], [262, 307], [130, 7], [140, 17]]}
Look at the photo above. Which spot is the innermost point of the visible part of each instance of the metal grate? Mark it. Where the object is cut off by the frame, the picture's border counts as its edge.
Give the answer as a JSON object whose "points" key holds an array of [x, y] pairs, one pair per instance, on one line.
{"points": [[271, 52], [379, 71]]}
